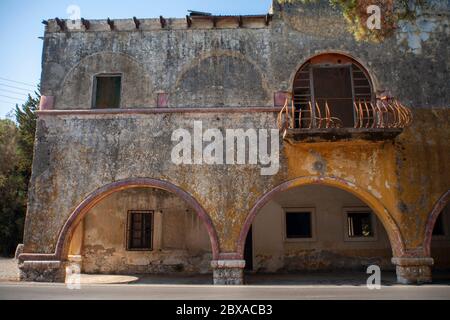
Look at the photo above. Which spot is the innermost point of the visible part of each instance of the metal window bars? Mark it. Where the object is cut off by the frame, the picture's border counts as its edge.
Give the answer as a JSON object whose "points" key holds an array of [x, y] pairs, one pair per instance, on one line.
{"points": [[383, 113]]}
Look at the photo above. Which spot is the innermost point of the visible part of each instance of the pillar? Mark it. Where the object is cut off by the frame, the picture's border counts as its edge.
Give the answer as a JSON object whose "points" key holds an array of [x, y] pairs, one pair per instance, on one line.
{"points": [[413, 270], [75, 259], [42, 271], [228, 272]]}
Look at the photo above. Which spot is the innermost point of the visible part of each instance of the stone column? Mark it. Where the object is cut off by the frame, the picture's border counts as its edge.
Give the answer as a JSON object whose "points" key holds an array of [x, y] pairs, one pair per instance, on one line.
{"points": [[228, 272], [75, 258], [42, 271], [413, 270]]}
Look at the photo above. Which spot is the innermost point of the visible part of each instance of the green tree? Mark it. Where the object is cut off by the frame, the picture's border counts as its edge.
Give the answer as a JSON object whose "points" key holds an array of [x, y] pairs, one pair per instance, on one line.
{"points": [[16, 156], [26, 120], [12, 185]]}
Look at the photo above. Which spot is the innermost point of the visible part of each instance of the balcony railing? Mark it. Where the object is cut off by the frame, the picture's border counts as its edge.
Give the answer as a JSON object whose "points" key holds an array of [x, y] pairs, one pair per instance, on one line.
{"points": [[385, 113]]}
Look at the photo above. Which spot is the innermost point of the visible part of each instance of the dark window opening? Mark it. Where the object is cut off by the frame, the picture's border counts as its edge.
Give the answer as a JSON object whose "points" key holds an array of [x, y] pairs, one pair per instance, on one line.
{"points": [[140, 230], [298, 225], [333, 86], [359, 224], [248, 250], [333, 80], [107, 91], [438, 229]]}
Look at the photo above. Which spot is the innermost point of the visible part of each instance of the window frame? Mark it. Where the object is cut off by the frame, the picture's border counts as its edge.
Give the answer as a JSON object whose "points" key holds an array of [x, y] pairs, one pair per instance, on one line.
{"points": [[348, 65], [128, 230], [373, 221], [312, 211], [332, 60], [94, 89]]}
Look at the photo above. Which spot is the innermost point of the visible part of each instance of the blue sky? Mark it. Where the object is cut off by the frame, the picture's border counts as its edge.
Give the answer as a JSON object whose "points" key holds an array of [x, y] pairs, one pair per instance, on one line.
{"points": [[20, 29]]}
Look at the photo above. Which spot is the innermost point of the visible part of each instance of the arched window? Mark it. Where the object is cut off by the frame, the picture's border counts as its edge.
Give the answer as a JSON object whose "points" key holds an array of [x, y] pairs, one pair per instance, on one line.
{"points": [[334, 81]]}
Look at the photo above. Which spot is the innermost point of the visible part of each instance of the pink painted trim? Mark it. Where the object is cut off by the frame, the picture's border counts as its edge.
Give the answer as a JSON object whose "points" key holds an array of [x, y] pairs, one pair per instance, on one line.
{"points": [[162, 100], [397, 242], [279, 98], [432, 217], [46, 103], [82, 209], [159, 110], [230, 256]]}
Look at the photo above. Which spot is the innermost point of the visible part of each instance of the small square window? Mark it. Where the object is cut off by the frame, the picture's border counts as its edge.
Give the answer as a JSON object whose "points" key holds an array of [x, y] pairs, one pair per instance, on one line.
{"points": [[298, 224], [140, 230], [107, 91], [359, 224], [438, 229]]}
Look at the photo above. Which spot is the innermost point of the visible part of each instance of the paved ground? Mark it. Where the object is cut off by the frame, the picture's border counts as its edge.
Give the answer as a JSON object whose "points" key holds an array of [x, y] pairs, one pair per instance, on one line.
{"points": [[291, 279], [8, 269], [347, 286], [199, 292]]}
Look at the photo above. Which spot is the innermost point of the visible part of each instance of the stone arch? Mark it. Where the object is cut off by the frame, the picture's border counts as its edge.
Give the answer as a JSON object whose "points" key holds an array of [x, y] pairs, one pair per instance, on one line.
{"points": [[431, 221], [371, 76], [77, 87], [202, 84], [63, 243], [393, 231]]}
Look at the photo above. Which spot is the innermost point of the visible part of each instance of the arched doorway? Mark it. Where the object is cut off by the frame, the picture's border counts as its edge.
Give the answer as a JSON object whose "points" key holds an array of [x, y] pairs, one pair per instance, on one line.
{"points": [[321, 225], [333, 83], [437, 239], [139, 226]]}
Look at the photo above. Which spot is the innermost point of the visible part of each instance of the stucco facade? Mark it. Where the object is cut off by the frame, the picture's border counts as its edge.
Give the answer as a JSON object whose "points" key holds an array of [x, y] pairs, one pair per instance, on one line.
{"points": [[229, 74]]}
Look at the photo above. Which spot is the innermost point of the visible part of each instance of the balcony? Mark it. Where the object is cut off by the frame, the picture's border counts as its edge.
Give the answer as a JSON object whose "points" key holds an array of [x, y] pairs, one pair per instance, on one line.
{"points": [[316, 122]]}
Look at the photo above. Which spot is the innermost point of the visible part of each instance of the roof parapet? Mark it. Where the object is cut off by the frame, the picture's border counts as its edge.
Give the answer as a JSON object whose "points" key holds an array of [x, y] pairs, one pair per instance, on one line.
{"points": [[134, 24]]}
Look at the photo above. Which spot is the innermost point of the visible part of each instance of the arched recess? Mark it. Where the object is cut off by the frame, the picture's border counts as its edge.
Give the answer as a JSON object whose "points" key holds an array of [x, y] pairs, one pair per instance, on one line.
{"points": [[95, 197], [432, 217], [378, 208], [333, 80], [221, 78], [339, 53], [77, 88]]}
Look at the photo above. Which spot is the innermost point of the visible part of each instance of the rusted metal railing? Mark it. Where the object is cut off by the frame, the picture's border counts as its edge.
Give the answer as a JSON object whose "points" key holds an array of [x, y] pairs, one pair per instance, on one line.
{"points": [[384, 113]]}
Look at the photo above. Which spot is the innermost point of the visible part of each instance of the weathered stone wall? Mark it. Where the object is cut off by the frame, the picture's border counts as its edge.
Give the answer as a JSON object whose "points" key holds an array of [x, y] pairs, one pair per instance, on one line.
{"points": [[180, 240], [329, 248], [230, 66], [77, 153]]}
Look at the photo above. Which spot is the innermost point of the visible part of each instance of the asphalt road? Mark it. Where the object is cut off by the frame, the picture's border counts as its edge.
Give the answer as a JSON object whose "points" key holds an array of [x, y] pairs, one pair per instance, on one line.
{"points": [[31, 291]]}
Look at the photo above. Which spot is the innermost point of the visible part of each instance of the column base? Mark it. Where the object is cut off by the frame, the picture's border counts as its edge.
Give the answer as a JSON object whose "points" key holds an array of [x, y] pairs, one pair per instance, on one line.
{"points": [[19, 251], [228, 272], [42, 271], [413, 270]]}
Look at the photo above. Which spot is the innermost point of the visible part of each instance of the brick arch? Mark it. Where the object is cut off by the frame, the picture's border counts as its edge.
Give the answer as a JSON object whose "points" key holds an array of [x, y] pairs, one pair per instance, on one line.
{"points": [[65, 236], [393, 231], [431, 221]]}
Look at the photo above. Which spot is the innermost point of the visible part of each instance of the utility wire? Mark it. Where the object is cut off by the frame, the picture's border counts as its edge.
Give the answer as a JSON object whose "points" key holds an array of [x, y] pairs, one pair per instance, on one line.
{"points": [[8, 102], [18, 82], [5, 85], [14, 92], [15, 99]]}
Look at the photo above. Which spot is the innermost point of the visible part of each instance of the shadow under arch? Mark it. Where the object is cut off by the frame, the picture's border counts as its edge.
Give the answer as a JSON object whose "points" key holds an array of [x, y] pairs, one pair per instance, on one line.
{"points": [[62, 246], [395, 237], [431, 221]]}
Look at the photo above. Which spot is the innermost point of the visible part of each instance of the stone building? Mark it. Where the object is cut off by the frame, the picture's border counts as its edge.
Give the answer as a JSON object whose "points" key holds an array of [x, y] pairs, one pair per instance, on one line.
{"points": [[363, 176]]}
